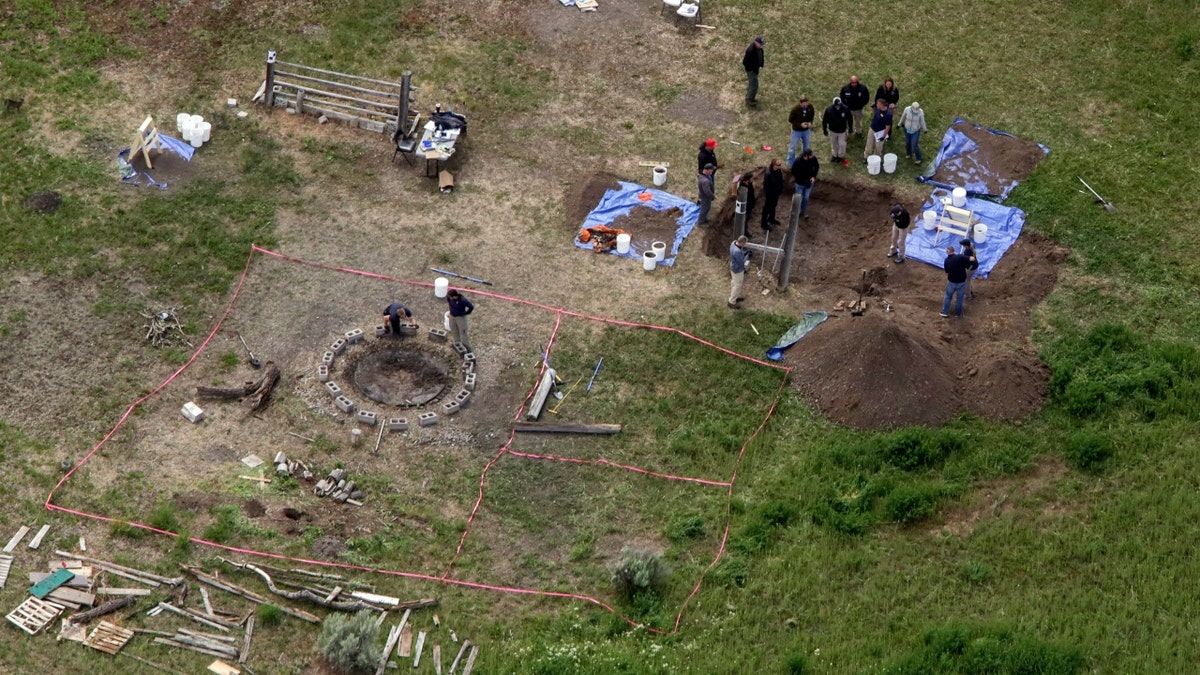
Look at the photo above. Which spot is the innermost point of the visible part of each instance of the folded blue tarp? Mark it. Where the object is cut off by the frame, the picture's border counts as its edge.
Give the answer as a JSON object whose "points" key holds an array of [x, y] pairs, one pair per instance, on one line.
{"points": [[617, 203], [793, 335], [1004, 225], [961, 163]]}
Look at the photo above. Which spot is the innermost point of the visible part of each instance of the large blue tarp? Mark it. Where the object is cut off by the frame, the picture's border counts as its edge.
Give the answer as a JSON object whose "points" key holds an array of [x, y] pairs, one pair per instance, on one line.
{"points": [[617, 203], [793, 335], [961, 163], [1003, 223]]}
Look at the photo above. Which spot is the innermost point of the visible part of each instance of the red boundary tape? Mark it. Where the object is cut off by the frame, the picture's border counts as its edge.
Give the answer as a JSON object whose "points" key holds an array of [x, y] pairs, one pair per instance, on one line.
{"points": [[505, 450]]}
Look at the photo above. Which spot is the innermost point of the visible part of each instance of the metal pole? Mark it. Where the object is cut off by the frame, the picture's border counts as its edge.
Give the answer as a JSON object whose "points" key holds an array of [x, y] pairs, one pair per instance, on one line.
{"points": [[269, 91], [789, 244], [739, 211], [402, 111]]}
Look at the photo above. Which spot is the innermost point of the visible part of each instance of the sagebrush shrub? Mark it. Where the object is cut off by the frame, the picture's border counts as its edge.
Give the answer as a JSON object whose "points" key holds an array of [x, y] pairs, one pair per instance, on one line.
{"points": [[639, 570], [349, 642]]}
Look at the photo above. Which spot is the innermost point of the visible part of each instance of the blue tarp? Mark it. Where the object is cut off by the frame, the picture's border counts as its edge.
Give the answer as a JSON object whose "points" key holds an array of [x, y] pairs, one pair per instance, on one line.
{"points": [[169, 144], [617, 203], [793, 335], [961, 163], [1004, 225]]}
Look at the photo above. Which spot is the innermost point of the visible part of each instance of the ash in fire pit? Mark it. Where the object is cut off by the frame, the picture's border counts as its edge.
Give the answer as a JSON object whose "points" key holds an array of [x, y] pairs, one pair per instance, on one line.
{"points": [[401, 377]]}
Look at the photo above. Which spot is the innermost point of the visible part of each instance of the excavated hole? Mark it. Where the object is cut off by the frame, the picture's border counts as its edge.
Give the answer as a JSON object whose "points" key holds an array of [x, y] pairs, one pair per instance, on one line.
{"points": [[404, 377]]}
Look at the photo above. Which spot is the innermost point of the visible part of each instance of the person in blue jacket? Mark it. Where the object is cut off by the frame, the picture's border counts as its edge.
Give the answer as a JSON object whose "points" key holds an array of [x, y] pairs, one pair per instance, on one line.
{"points": [[460, 307]]}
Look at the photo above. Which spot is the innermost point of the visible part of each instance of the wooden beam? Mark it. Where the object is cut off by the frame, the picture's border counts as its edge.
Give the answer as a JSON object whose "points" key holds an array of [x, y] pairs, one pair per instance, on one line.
{"points": [[334, 72], [305, 78], [539, 397], [568, 428]]}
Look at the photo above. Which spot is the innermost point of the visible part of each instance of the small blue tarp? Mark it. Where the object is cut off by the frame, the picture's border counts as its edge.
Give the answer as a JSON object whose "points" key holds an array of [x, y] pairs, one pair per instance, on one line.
{"points": [[961, 163], [131, 176], [1004, 225], [617, 203], [793, 335]]}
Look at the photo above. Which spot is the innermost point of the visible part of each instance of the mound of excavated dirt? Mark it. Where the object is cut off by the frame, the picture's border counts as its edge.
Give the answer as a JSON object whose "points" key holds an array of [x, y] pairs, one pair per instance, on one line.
{"points": [[1008, 156], [583, 194], [908, 365]]}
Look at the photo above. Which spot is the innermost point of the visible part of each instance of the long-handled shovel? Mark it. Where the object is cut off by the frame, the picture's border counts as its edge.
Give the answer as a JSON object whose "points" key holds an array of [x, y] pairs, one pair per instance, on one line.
{"points": [[1101, 200], [255, 363]]}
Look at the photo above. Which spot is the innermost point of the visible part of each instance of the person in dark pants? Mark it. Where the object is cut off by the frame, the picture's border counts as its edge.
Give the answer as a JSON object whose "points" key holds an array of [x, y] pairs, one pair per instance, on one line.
{"points": [[836, 123], [805, 172], [957, 268], [801, 118], [460, 307], [772, 188], [707, 155], [393, 313], [856, 96], [900, 223], [968, 249], [707, 191], [888, 92], [753, 61], [747, 181]]}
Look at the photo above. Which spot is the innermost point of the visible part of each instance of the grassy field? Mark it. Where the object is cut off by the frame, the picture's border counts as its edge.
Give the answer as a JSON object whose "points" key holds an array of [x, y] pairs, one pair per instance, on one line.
{"points": [[1060, 545]]}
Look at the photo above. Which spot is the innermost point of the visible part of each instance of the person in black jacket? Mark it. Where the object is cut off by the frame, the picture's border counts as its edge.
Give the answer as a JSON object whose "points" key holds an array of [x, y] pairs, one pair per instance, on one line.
{"points": [[835, 124], [772, 188], [900, 223], [958, 268], [753, 61], [888, 92], [805, 172], [856, 96], [707, 154]]}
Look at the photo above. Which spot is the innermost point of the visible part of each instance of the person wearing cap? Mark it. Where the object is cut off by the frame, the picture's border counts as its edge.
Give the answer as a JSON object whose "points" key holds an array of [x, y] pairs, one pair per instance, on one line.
{"points": [[968, 249], [801, 119], [805, 172], [957, 266], [392, 313], [880, 129], [707, 154], [772, 189], [460, 307], [900, 222], [739, 255], [753, 61], [856, 96], [836, 124], [888, 92], [912, 121], [707, 190]]}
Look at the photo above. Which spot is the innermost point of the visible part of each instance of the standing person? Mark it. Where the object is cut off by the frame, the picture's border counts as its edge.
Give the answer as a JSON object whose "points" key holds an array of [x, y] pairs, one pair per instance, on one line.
{"points": [[392, 314], [739, 255], [805, 172], [856, 96], [460, 307], [753, 61], [747, 181], [881, 129], [956, 266], [912, 121], [707, 154], [968, 249], [888, 92], [835, 124], [707, 191], [801, 119], [772, 188], [900, 223]]}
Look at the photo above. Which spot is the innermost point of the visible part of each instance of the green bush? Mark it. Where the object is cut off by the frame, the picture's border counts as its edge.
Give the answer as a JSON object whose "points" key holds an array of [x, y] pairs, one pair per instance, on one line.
{"points": [[226, 526], [268, 614], [164, 517], [909, 503], [796, 664], [731, 571], [847, 508], [639, 570], [987, 649], [917, 448], [690, 526], [1089, 450], [350, 643], [118, 529]]}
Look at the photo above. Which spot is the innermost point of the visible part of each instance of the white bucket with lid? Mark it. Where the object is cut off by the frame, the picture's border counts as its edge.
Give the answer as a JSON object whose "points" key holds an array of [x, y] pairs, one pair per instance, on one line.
{"points": [[660, 176], [980, 233], [196, 138], [180, 119], [959, 197], [873, 163], [889, 163], [623, 243], [205, 129], [649, 261], [441, 286], [660, 250], [930, 219]]}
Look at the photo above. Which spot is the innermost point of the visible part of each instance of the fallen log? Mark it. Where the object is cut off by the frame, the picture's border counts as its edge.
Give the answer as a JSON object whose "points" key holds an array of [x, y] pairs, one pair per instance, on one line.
{"points": [[251, 595], [568, 428], [255, 394], [128, 571], [107, 608], [323, 600]]}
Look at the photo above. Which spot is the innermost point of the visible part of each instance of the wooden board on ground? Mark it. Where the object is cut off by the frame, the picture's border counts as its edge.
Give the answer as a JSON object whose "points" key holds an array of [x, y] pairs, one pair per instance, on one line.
{"points": [[33, 615], [73, 596], [37, 539], [5, 567], [406, 638], [568, 428], [221, 668], [57, 578], [109, 638], [16, 539], [662, 164]]}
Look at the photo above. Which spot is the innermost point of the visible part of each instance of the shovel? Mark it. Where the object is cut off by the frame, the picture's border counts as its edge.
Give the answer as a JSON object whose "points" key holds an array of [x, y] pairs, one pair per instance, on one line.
{"points": [[254, 363], [1100, 200]]}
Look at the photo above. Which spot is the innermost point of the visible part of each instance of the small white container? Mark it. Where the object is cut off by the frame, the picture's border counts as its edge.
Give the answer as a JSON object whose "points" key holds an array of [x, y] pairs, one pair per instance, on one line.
{"points": [[649, 261], [660, 176], [873, 163], [930, 219], [623, 241], [441, 286], [959, 197], [660, 250], [889, 163]]}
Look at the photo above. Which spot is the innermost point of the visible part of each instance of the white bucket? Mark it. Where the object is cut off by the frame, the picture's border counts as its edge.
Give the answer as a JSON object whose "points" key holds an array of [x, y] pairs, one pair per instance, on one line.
{"points": [[205, 128], [197, 119], [873, 165], [660, 176], [980, 233], [930, 218], [186, 128], [196, 138], [649, 261], [959, 197], [180, 119], [889, 163], [441, 286], [660, 250], [623, 243], [446, 320]]}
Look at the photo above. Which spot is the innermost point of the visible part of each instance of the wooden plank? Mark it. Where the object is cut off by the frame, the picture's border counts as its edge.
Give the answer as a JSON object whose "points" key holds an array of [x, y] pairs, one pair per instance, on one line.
{"points": [[339, 85], [420, 646], [393, 636], [207, 603], [437, 660], [645, 163], [333, 594], [462, 650], [121, 592], [405, 648], [221, 668], [207, 636], [76, 581], [64, 594], [539, 396], [568, 428], [109, 638], [57, 578], [37, 538], [34, 614], [207, 622], [130, 573], [6, 562], [375, 599], [389, 107], [173, 643], [470, 661], [16, 538], [334, 72], [246, 644]]}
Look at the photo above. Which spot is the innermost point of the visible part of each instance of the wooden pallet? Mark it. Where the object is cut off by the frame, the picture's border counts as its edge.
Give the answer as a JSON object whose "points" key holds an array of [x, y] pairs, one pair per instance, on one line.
{"points": [[33, 615], [109, 638], [5, 567]]}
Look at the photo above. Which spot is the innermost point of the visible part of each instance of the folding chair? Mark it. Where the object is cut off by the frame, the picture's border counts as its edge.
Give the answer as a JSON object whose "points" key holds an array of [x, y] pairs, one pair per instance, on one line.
{"points": [[407, 144], [669, 4]]}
